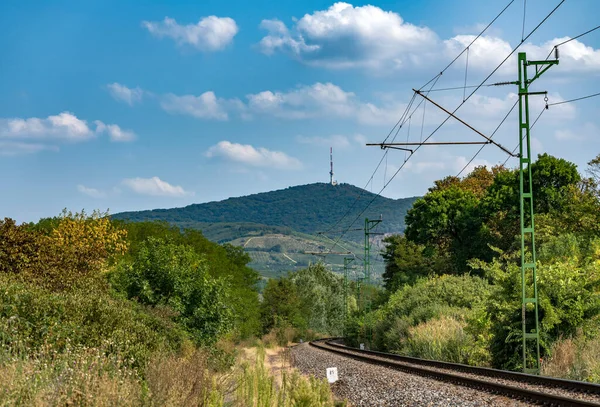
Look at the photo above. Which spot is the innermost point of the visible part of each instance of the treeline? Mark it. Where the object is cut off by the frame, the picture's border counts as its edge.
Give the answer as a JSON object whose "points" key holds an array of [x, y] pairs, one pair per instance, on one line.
{"points": [[303, 208], [453, 280]]}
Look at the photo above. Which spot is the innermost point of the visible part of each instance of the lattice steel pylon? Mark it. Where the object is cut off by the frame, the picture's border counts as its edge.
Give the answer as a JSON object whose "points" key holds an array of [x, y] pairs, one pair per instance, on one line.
{"points": [[529, 313], [347, 261], [369, 225]]}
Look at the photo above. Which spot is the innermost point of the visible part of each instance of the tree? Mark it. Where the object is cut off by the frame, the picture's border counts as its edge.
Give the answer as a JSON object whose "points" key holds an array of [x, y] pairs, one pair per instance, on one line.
{"points": [[282, 304], [594, 169], [321, 296], [64, 251], [164, 273], [405, 262]]}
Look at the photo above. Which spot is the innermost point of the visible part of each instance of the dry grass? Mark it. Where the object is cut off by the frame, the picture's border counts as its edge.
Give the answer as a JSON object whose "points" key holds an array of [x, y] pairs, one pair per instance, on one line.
{"points": [[258, 387], [184, 381], [81, 377], [444, 338], [93, 377], [576, 359]]}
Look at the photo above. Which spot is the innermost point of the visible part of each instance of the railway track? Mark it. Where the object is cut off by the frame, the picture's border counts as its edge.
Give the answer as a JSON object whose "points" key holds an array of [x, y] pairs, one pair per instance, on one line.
{"points": [[519, 386]]}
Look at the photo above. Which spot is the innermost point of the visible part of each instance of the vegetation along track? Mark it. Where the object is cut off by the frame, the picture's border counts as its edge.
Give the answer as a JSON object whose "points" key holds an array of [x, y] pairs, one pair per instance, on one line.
{"points": [[530, 388]]}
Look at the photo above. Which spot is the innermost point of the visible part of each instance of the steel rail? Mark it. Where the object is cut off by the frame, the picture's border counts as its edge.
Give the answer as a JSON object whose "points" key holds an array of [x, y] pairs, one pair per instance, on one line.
{"points": [[573, 385], [395, 362]]}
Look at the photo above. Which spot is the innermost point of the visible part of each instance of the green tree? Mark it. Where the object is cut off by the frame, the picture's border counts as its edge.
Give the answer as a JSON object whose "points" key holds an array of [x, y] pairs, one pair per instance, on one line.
{"points": [[321, 296], [174, 275], [405, 262], [281, 303]]}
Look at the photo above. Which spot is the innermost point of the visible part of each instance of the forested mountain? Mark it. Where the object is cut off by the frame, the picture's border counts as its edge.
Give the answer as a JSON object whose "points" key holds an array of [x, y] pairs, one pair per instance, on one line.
{"points": [[304, 208]]}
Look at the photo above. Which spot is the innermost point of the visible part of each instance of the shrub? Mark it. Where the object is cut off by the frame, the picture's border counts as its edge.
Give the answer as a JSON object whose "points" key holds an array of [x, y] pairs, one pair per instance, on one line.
{"points": [[575, 359], [173, 275], [443, 338], [33, 318]]}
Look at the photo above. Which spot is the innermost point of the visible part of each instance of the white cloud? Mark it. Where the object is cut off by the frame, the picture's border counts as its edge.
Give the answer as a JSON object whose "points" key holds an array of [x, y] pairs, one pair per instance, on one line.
{"points": [[345, 36], [321, 100], [336, 141], [205, 106], [64, 126], [209, 34], [125, 94], [256, 157], [115, 132], [154, 187], [11, 148], [303, 102], [574, 56], [93, 192]]}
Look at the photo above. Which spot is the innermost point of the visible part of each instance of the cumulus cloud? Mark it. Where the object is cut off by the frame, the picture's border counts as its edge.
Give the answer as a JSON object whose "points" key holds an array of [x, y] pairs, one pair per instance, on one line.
{"points": [[93, 192], [124, 94], [205, 106], [256, 157], [303, 102], [209, 34], [64, 126], [116, 133], [321, 100], [154, 187], [344, 36]]}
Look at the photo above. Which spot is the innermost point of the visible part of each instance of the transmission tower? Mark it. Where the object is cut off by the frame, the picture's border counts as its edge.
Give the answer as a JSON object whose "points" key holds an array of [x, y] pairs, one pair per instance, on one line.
{"points": [[331, 180]]}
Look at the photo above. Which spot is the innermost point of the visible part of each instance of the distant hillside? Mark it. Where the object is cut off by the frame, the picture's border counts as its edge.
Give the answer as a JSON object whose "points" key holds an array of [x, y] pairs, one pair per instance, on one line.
{"points": [[305, 208]]}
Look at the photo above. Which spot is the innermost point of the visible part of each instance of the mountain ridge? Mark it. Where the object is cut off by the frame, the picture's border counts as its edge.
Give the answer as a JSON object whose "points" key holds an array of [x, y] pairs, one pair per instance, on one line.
{"points": [[308, 208]]}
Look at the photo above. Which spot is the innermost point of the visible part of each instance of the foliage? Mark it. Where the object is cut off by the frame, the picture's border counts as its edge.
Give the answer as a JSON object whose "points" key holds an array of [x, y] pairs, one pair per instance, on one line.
{"points": [[568, 290], [167, 274], [441, 316], [224, 262], [444, 338], [311, 298], [406, 262], [77, 247], [33, 318], [305, 208], [574, 358]]}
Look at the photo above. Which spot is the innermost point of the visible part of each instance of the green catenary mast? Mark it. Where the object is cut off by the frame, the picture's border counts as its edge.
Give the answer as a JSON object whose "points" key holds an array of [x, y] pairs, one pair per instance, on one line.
{"points": [[529, 306]]}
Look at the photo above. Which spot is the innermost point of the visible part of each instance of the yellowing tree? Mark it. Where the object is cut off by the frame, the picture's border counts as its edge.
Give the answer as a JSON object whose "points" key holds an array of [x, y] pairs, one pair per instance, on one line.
{"points": [[82, 245]]}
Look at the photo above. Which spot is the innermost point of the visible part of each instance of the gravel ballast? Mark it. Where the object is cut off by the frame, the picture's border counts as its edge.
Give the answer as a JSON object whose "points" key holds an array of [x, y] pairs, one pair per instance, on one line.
{"points": [[365, 384], [594, 398]]}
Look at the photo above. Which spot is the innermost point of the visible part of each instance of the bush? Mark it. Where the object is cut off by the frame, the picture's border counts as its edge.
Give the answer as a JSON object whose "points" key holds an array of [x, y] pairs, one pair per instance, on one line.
{"points": [[34, 318], [443, 338], [175, 276], [575, 359]]}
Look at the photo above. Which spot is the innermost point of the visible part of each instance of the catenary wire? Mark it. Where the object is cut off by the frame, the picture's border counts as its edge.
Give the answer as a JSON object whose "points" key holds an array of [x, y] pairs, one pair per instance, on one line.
{"points": [[471, 94]]}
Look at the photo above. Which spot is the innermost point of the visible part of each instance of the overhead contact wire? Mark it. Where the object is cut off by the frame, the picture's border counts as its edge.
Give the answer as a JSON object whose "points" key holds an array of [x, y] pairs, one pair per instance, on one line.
{"points": [[459, 106]]}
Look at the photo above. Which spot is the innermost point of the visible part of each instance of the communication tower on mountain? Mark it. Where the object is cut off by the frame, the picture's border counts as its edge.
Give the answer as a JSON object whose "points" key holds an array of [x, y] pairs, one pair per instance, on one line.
{"points": [[331, 166]]}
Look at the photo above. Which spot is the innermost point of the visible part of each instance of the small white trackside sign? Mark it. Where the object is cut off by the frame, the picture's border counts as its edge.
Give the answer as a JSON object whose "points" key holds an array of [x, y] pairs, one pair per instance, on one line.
{"points": [[332, 374]]}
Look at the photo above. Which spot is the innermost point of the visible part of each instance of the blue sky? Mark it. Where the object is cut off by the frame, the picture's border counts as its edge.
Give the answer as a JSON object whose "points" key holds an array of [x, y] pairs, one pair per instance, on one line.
{"points": [[132, 105]]}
